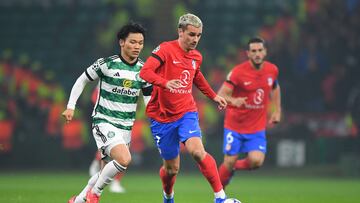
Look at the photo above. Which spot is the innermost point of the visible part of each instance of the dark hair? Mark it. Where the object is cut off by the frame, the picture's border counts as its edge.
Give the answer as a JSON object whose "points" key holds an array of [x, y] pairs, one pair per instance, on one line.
{"points": [[131, 27], [256, 40]]}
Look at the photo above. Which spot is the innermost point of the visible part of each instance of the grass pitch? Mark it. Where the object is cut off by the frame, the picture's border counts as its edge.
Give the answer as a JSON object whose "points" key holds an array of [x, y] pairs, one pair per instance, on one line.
{"points": [[58, 187]]}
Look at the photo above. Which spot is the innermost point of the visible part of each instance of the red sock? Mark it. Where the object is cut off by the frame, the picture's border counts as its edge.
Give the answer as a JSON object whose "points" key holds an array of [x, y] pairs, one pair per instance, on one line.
{"points": [[119, 176], [242, 164], [225, 175], [167, 181], [208, 168]]}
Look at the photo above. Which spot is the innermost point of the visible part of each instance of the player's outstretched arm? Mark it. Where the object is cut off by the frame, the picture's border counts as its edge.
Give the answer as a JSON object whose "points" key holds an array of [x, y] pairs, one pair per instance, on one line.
{"points": [[76, 91]]}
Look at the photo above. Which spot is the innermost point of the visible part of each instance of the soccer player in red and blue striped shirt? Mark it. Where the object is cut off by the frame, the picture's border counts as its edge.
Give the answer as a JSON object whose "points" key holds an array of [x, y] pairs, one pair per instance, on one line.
{"points": [[173, 68], [249, 88]]}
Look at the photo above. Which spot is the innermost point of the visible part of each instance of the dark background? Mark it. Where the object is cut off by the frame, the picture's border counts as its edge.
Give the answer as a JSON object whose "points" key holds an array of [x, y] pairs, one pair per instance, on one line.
{"points": [[46, 44]]}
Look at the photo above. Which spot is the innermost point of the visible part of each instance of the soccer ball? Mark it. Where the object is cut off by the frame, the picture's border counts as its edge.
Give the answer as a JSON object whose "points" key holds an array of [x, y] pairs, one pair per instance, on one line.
{"points": [[232, 200]]}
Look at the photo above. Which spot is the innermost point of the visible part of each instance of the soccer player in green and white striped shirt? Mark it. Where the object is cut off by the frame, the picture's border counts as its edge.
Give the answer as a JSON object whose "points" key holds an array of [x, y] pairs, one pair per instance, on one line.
{"points": [[114, 112]]}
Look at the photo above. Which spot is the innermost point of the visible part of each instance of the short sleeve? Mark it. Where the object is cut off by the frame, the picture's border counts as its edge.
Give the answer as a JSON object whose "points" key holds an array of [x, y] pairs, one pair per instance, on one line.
{"points": [[230, 80]]}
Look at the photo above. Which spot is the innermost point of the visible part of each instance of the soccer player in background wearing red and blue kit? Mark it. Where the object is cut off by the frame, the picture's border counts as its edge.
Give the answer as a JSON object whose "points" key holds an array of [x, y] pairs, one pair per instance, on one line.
{"points": [[248, 89], [173, 68]]}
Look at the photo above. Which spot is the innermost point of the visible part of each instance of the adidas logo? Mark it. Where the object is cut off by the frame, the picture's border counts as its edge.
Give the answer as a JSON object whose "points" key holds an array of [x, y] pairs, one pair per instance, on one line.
{"points": [[117, 74]]}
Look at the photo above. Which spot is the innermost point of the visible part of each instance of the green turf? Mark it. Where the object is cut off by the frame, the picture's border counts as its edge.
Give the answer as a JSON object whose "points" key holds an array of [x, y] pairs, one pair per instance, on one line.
{"points": [[58, 187]]}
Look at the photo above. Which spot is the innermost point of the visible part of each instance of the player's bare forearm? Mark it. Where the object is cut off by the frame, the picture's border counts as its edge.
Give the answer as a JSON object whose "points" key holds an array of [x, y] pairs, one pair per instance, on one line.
{"points": [[226, 93], [276, 100], [229, 99]]}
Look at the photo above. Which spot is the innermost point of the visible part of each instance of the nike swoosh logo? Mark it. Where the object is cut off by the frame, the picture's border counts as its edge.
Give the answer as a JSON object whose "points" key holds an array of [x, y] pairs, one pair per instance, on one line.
{"points": [[176, 62], [192, 131], [247, 83]]}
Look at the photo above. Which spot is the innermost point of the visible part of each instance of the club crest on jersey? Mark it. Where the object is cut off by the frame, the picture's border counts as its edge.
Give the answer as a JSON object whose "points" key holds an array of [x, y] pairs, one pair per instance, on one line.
{"points": [[156, 49], [111, 134], [127, 83], [270, 81], [193, 64]]}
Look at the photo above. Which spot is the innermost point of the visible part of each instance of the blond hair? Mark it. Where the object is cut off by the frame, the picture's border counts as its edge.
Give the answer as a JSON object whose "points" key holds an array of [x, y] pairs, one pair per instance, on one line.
{"points": [[189, 19]]}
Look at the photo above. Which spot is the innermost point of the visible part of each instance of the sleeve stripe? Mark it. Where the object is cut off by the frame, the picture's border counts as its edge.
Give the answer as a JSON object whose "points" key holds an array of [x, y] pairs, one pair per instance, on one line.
{"points": [[101, 61], [158, 58], [276, 83], [229, 82], [88, 76]]}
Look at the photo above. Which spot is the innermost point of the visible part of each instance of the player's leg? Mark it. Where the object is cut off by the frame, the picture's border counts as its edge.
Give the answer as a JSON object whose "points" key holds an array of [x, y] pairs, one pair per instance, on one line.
{"points": [[81, 198], [121, 159], [255, 147], [190, 135], [95, 166], [114, 145], [206, 164], [94, 171], [254, 160], [167, 141], [167, 174], [226, 170], [232, 143]]}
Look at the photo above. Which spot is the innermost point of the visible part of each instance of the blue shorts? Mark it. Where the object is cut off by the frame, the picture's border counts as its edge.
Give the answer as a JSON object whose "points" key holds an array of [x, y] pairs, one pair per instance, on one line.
{"points": [[168, 136], [236, 143]]}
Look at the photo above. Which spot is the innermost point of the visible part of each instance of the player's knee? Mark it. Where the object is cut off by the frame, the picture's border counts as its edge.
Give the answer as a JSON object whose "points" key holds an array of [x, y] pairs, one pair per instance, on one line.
{"points": [[229, 163], [256, 163], [198, 154], [172, 170], [124, 161]]}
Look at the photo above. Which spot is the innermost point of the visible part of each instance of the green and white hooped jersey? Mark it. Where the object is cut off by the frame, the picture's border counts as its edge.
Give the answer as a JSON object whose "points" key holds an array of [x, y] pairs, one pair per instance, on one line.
{"points": [[119, 86]]}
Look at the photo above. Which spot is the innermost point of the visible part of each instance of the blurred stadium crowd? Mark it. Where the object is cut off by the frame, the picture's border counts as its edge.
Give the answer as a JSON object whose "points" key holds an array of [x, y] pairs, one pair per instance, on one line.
{"points": [[46, 44]]}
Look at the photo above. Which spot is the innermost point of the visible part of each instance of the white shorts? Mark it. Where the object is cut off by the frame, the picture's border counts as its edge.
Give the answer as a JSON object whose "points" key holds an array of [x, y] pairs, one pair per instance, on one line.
{"points": [[107, 136]]}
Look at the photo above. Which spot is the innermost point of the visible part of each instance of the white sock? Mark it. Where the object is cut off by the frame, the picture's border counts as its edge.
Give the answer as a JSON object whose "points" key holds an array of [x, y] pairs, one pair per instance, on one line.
{"points": [[221, 194], [171, 196], [107, 175], [81, 198]]}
